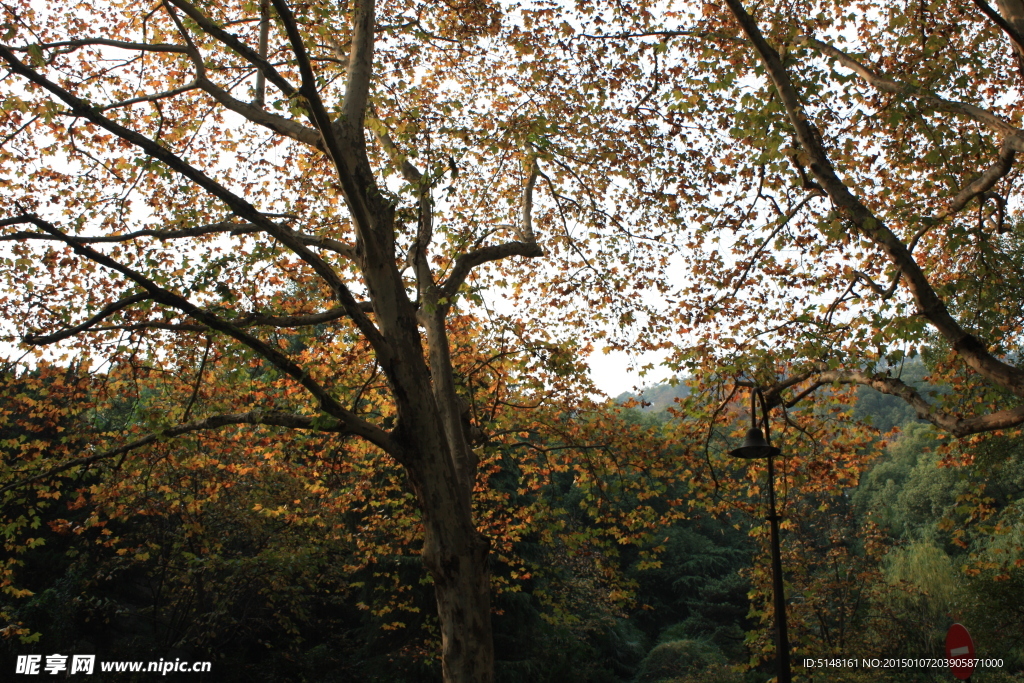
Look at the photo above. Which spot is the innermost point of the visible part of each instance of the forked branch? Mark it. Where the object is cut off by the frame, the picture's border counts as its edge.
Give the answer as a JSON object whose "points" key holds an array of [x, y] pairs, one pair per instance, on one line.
{"points": [[525, 246], [985, 181], [236, 45], [894, 386]]}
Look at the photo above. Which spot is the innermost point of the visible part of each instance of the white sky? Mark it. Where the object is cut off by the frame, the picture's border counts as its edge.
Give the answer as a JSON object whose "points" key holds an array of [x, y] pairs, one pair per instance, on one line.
{"points": [[612, 375]]}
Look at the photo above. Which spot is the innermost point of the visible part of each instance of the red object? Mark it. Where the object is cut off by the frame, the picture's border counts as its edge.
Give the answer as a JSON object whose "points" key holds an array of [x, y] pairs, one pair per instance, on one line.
{"points": [[959, 646]]}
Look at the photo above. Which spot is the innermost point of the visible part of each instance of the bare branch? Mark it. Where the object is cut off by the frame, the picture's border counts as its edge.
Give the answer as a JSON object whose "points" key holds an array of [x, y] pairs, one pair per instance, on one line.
{"points": [[786, 218], [243, 50], [105, 312], [255, 417], [1014, 136], [152, 325], [208, 229]]}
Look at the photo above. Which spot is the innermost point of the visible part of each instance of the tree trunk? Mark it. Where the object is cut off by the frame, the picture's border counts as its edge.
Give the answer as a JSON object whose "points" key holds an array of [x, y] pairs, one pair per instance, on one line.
{"points": [[462, 584], [455, 553], [1013, 12]]}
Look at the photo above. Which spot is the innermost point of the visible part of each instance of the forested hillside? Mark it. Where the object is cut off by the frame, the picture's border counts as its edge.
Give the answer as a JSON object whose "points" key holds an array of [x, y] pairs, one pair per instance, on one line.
{"points": [[272, 581]]}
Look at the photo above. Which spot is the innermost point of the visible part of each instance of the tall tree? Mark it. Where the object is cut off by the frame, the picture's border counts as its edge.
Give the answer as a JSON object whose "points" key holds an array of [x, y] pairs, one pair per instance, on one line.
{"points": [[191, 177], [847, 188], [260, 217]]}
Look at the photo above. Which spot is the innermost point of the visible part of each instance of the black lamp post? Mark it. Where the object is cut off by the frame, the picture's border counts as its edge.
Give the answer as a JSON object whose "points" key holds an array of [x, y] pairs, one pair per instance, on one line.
{"points": [[757, 446]]}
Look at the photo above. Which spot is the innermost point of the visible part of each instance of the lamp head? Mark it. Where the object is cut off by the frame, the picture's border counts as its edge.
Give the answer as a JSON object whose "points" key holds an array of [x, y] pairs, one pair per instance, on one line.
{"points": [[755, 446]]}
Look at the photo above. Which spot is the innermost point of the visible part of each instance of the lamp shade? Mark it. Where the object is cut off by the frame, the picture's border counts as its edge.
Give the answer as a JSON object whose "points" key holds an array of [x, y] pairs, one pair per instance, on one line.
{"points": [[754, 446]]}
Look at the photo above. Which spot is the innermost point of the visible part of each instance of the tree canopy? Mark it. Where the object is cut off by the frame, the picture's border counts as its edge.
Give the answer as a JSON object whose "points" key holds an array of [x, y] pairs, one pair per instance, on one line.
{"points": [[364, 246]]}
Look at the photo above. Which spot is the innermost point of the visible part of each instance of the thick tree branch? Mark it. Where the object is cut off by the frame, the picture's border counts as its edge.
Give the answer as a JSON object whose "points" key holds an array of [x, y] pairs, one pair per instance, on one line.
{"points": [[892, 386], [526, 246], [261, 80], [883, 293], [984, 182], [343, 248], [300, 320], [954, 424], [308, 90], [1016, 39], [928, 303], [255, 417], [343, 139], [247, 320], [260, 116], [123, 44], [526, 222], [467, 262], [337, 246], [197, 231], [412, 175], [152, 325], [360, 64]]}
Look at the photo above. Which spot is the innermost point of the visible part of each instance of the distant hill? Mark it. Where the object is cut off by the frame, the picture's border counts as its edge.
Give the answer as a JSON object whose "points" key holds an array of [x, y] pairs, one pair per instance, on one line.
{"points": [[660, 396], [882, 411]]}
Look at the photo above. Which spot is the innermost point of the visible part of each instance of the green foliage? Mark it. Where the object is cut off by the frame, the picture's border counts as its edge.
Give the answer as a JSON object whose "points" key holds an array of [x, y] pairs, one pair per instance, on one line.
{"points": [[907, 492], [685, 661], [696, 592]]}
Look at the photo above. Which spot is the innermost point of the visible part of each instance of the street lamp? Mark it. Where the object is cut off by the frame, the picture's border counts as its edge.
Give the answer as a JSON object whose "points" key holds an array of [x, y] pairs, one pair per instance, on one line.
{"points": [[754, 447]]}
